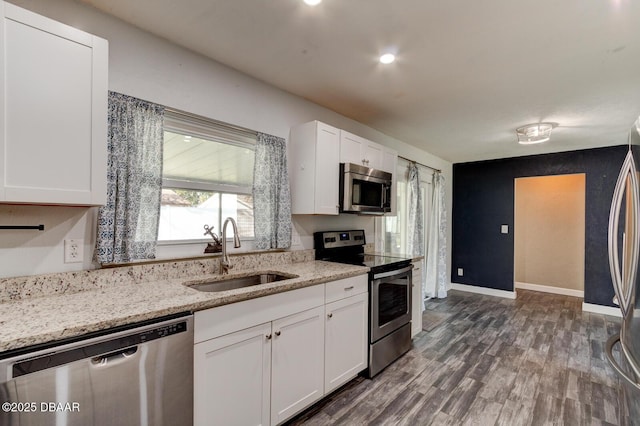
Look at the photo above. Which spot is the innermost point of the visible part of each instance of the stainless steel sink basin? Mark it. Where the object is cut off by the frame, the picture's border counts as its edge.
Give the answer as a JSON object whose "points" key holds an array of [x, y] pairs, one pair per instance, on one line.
{"points": [[238, 282]]}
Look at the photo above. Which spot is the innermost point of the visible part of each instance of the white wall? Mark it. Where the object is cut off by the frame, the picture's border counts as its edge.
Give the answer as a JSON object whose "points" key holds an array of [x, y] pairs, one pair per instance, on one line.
{"points": [[151, 68]]}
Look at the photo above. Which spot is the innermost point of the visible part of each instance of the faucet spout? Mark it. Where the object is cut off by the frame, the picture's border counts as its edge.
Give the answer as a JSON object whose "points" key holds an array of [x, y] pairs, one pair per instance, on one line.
{"points": [[225, 263]]}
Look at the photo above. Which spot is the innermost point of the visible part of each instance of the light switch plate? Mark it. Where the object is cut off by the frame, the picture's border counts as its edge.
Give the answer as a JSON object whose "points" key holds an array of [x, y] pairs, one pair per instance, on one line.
{"points": [[504, 229]]}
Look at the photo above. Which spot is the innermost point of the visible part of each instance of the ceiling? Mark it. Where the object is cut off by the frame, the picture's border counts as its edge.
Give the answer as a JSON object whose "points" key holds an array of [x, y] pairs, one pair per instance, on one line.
{"points": [[467, 74]]}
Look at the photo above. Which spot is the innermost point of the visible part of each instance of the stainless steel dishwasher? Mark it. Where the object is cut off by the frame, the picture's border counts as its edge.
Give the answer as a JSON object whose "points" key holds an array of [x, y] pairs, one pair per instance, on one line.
{"points": [[128, 376]]}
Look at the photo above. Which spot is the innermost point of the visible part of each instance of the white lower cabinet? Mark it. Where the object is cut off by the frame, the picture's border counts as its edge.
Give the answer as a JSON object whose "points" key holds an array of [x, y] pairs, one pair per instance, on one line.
{"points": [[262, 375], [345, 353], [232, 381], [297, 363], [261, 361]]}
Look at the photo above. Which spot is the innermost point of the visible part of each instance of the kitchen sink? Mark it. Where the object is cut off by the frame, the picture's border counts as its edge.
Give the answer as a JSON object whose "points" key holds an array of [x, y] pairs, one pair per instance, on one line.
{"points": [[238, 282]]}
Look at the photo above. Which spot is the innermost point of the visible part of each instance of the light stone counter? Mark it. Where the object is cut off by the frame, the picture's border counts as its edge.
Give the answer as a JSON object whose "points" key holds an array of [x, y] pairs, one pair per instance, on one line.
{"points": [[65, 311]]}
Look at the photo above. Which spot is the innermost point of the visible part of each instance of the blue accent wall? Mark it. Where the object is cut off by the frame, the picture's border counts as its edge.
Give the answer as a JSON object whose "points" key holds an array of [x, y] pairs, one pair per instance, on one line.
{"points": [[483, 200]]}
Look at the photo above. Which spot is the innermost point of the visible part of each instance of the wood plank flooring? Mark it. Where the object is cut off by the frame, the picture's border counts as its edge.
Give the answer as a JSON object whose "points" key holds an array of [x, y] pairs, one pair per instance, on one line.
{"points": [[536, 360]]}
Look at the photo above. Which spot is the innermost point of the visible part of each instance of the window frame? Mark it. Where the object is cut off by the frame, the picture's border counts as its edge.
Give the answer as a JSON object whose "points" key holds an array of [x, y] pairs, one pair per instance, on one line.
{"points": [[188, 124], [403, 209]]}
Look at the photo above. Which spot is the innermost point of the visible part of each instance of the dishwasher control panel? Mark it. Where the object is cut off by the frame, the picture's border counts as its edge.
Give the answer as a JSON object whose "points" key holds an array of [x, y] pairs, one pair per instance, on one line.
{"points": [[156, 333]]}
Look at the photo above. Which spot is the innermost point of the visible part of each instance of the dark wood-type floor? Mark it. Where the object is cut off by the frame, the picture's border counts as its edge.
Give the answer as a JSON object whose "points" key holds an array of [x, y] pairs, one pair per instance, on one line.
{"points": [[536, 360]]}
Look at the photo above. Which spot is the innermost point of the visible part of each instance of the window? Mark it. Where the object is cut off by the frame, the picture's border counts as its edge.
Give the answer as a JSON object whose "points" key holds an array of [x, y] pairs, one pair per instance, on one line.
{"points": [[207, 177], [393, 235]]}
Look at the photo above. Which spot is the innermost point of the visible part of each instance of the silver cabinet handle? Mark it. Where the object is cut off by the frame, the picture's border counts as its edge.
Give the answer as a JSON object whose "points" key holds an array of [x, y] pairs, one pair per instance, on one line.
{"points": [[330, 315], [277, 333], [268, 336], [609, 352], [348, 288]]}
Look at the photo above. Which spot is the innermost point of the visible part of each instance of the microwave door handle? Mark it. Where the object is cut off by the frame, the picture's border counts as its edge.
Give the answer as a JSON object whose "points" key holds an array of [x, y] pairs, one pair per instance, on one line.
{"points": [[384, 195]]}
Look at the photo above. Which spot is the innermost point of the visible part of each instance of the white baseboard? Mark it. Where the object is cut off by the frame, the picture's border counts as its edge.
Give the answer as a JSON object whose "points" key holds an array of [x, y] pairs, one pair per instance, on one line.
{"points": [[549, 289], [599, 309], [586, 307], [484, 290]]}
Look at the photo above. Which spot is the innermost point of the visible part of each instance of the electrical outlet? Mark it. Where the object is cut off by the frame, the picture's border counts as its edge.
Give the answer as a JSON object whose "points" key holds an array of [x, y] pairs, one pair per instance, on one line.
{"points": [[73, 251], [504, 229], [460, 272]]}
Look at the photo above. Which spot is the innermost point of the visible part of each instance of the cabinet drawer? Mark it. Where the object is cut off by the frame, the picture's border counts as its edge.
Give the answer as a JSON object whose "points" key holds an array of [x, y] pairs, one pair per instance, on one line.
{"points": [[340, 289], [227, 319]]}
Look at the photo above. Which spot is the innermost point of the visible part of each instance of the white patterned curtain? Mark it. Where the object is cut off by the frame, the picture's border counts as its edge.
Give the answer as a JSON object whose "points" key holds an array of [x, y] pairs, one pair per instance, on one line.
{"points": [[436, 257], [128, 222], [271, 194], [415, 217]]}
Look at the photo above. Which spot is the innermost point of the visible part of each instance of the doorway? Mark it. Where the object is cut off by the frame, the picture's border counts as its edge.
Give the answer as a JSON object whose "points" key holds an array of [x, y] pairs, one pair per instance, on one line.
{"points": [[549, 234]]}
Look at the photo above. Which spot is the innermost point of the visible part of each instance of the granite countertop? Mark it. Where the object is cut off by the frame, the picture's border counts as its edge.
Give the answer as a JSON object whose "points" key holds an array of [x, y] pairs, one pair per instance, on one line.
{"points": [[36, 320]]}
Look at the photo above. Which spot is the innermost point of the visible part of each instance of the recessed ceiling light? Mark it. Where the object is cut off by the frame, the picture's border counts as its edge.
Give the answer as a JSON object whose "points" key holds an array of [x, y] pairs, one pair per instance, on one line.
{"points": [[312, 2], [387, 58]]}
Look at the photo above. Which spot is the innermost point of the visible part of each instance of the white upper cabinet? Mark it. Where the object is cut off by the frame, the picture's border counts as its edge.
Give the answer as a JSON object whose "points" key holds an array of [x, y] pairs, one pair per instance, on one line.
{"points": [[315, 153], [358, 150], [389, 160], [53, 114], [314, 150]]}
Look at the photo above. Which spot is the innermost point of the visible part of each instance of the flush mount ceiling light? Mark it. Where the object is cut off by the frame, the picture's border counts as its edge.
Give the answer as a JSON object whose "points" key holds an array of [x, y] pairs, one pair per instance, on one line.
{"points": [[534, 133], [312, 2], [387, 58]]}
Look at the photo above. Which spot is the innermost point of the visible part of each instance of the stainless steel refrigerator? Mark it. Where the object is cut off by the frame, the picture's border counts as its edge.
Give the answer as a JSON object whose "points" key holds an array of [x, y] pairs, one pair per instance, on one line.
{"points": [[624, 252]]}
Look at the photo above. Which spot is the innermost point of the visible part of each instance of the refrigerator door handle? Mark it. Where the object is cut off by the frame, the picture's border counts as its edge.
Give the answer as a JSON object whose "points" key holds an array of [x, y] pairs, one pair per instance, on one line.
{"points": [[624, 276], [609, 352]]}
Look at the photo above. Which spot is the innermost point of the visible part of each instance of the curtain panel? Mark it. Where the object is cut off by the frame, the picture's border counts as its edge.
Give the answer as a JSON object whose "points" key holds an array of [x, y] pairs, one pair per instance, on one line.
{"points": [[271, 194], [415, 217], [128, 222], [436, 258]]}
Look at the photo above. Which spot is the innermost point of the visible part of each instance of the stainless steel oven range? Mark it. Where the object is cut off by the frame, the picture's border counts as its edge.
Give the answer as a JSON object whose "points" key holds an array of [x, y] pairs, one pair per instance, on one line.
{"points": [[389, 294]]}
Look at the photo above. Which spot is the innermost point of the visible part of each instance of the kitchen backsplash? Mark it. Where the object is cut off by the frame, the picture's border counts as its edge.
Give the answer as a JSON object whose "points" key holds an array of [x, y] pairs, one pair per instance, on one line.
{"points": [[25, 287]]}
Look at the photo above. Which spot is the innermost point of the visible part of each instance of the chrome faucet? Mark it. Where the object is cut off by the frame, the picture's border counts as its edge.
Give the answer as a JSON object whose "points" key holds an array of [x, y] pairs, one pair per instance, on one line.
{"points": [[225, 264]]}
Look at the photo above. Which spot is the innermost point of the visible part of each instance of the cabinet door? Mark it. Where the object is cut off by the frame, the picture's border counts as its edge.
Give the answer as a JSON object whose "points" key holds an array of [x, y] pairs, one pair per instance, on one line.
{"points": [[372, 155], [389, 160], [297, 367], [416, 296], [327, 170], [314, 150], [232, 378], [351, 148], [346, 340], [53, 113]]}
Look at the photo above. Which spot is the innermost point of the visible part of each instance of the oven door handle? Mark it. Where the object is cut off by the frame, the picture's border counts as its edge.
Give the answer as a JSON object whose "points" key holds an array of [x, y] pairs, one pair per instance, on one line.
{"points": [[392, 273]]}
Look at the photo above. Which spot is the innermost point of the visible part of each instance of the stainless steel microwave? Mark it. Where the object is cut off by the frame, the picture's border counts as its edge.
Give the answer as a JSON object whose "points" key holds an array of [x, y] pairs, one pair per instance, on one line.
{"points": [[364, 190]]}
